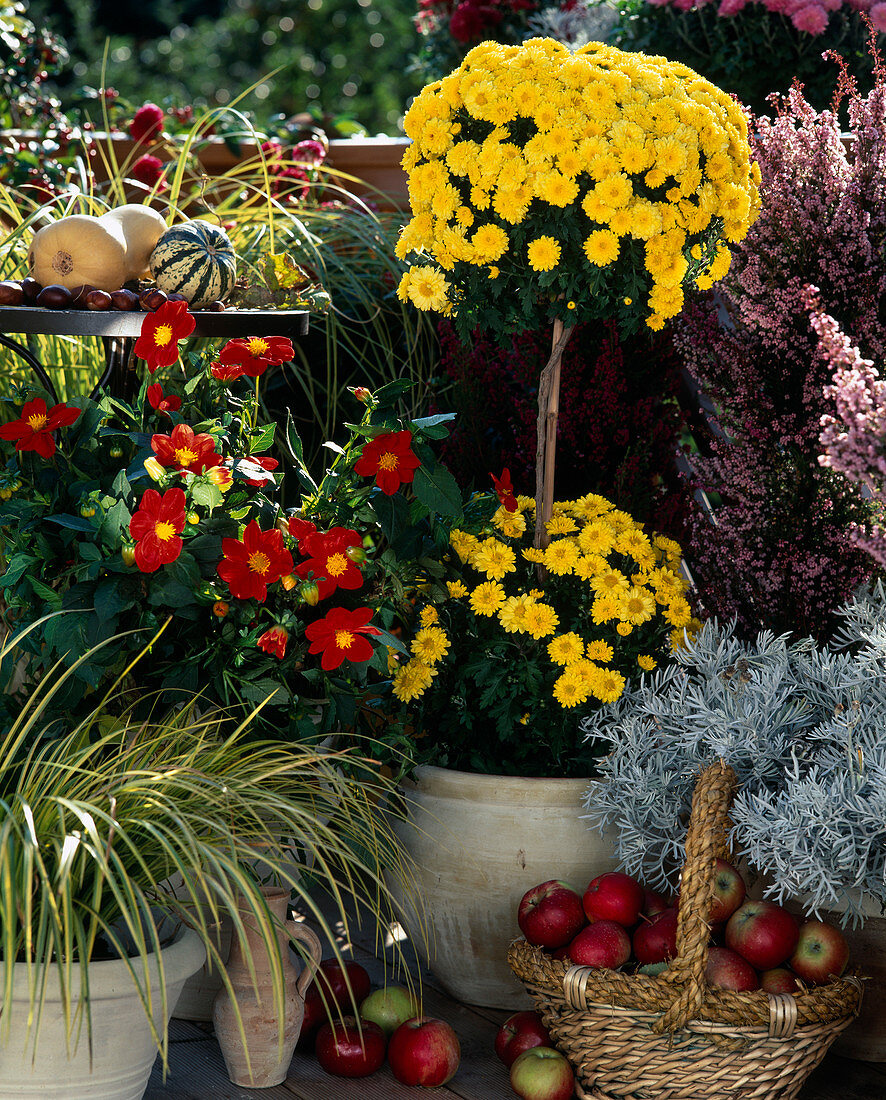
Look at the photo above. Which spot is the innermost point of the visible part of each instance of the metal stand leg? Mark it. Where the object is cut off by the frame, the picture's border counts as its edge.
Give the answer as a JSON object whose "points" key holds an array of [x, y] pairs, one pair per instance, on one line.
{"points": [[23, 353]]}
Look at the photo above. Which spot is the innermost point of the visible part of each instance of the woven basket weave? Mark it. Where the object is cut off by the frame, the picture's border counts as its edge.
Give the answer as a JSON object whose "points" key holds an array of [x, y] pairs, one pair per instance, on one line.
{"points": [[672, 1037]]}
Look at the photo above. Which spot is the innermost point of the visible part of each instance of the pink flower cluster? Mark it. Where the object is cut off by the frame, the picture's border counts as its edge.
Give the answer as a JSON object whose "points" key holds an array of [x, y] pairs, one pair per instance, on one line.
{"points": [[854, 437], [291, 172], [467, 20], [782, 551], [809, 16]]}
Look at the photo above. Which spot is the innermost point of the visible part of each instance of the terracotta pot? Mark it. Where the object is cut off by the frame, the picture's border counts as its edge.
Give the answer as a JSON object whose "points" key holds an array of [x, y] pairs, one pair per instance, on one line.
{"points": [[253, 1054], [116, 1065], [479, 843]]}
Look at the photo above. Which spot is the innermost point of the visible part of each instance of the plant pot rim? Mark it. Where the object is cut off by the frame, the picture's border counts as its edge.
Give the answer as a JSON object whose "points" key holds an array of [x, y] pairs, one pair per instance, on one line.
{"points": [[434, 774]]}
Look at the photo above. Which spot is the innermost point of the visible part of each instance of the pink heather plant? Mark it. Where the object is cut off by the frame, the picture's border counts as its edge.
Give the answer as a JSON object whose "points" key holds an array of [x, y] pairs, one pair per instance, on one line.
{"points": [[854, 438], [785, 550]]}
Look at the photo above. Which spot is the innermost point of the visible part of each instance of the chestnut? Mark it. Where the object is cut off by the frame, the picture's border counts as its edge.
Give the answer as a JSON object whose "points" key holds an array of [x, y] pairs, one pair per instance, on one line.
{"points": [[11, 293], [78, 295], [176, 296], [216, 307], [98, 299], [30, 289], [54, 296], [124, 299], [152, 298]]}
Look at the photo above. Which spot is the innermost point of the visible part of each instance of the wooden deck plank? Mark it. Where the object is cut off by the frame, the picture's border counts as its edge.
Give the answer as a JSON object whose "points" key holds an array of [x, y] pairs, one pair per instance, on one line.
{"points": [[197, 1069]]}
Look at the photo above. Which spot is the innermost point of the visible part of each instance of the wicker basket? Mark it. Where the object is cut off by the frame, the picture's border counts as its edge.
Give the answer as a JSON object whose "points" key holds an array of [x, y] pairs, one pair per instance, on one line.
{"points": [[671, 1037]]}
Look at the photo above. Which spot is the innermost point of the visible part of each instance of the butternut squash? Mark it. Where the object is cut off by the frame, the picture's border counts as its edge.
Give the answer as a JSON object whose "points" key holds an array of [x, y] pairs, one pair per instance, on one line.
{"points": [[142, 227], [79, 249]]}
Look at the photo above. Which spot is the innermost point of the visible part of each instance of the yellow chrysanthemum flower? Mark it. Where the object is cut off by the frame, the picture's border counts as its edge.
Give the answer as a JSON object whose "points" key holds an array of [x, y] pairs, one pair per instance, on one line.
{"points": [[533, 554], [646, 662], [598, 650], [463, 543], [601, 247], [678, 613], [543, 253], [604, 609], [560, 557], [429, 616], [512, 614], [624, 629], [566, 648], [609, 685], [456, 589], [487, 598], [511, 524], [561, 525], [430, 644], [427, 288], [570, 689], [541, 620], [490, 242], [494, 559], [411, 681], [596, 537], [636, 606], [610, 583]]}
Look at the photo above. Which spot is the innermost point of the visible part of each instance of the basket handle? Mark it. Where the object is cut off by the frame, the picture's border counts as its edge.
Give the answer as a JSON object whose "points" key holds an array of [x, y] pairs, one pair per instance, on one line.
{"points": [[705, 840]]}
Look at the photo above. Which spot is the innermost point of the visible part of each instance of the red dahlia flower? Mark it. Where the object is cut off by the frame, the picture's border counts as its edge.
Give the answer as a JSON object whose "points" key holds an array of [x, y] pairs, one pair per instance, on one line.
{"points": [[390, 458], [225, 372], [33, 429], [274, 641], [163, 403], [252, 563], [302, 529], [256, 353], [329, 560], [156, 526], [161, 331], [149, 171], [263, 462], [186, 450], [505, 490], [340, 635]]}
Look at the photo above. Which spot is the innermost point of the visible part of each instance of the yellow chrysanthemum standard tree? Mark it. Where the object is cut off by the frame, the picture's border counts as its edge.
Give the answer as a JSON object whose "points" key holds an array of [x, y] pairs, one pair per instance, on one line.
{"points": [[550, 186]]}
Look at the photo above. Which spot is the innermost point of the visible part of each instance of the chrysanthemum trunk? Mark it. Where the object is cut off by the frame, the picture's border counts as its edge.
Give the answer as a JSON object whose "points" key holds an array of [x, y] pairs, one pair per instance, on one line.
{"points": [[546, 446]]}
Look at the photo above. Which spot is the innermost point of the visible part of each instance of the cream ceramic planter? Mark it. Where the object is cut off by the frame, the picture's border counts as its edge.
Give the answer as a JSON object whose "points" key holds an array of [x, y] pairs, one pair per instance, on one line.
{"points": [[479, 843], [123, 1050]]}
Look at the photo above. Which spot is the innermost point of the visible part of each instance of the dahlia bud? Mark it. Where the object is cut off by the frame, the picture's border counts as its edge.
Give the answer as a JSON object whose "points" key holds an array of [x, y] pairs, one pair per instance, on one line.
{"points": [[356, 554], [127, 553], [220, 608], [289, 581], [362, 394], [310, 593], [154, 469]]}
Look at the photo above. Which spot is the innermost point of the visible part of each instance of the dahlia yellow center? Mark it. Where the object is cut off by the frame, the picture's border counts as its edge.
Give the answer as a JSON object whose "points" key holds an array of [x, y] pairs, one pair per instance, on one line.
{"points": [[344, 639], [257, 346], [336, 564], [388, 461], [184, 456], [37, 422], [259, 562], [164, 531], [162, 335]]}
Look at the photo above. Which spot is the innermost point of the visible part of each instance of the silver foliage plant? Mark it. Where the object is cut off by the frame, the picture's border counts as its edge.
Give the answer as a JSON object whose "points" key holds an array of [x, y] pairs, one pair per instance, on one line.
{"points": [[804, 727]]}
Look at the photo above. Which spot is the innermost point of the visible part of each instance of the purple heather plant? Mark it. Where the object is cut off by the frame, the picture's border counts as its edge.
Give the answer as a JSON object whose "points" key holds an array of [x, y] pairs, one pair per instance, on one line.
{"points": [[853, 438], [782, 552]]}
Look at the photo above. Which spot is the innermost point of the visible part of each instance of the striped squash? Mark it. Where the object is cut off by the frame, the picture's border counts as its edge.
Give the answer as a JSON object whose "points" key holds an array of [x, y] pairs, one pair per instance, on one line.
{"points": [[196, 259]]}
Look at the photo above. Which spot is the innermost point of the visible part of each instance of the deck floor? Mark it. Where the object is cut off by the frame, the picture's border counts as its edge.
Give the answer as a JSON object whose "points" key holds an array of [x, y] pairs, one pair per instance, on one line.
{"points": [[197, 1072]]}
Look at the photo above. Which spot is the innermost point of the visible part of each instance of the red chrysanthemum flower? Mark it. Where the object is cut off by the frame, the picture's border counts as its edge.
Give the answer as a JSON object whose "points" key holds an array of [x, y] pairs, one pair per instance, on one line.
{"points": [[389, 457], [33, 429], [149, 170], [274, 641], [302, 529], [225, 372], [252, 563], [147, 122], [505, 490], [329, 561], [163, 403], [156, 527], [341, 635], [256, 353], [186, 450], [160, 334]]}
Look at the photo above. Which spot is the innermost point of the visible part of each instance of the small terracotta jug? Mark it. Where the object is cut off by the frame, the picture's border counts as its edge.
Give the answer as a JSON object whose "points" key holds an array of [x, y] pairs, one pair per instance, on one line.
{"points": [[268, 1062]]}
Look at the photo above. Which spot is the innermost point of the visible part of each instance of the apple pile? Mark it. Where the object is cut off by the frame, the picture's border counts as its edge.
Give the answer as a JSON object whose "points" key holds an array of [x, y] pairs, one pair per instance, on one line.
{"points": [[420, 1050], [618, 923]]}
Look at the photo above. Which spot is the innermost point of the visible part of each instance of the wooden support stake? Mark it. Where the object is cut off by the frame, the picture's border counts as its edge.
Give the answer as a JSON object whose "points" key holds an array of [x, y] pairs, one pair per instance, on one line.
{"points": [[546, 427]]}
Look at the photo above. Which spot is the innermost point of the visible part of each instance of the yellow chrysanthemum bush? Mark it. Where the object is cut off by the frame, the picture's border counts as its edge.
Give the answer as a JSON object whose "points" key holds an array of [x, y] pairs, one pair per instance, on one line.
{"points": [[503, 666], [551, 186]]}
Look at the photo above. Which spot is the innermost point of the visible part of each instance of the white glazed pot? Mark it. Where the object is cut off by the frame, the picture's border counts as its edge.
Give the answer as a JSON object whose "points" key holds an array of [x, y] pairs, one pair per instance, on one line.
{"points": [[123, 1050], [479, 843]]}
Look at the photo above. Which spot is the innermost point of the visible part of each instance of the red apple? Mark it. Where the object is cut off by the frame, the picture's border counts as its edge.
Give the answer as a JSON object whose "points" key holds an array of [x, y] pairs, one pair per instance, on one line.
{"points": [[542, 1074], [729, 892], [550, 914], [654, 903], [602, 944], [728, 970], [821, 952], [389, 1007], [424, 1051], [348, 1049], [614, 896], [335, 978], [779, 980], [656, 940], [522, 1031], [763, 933]]}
